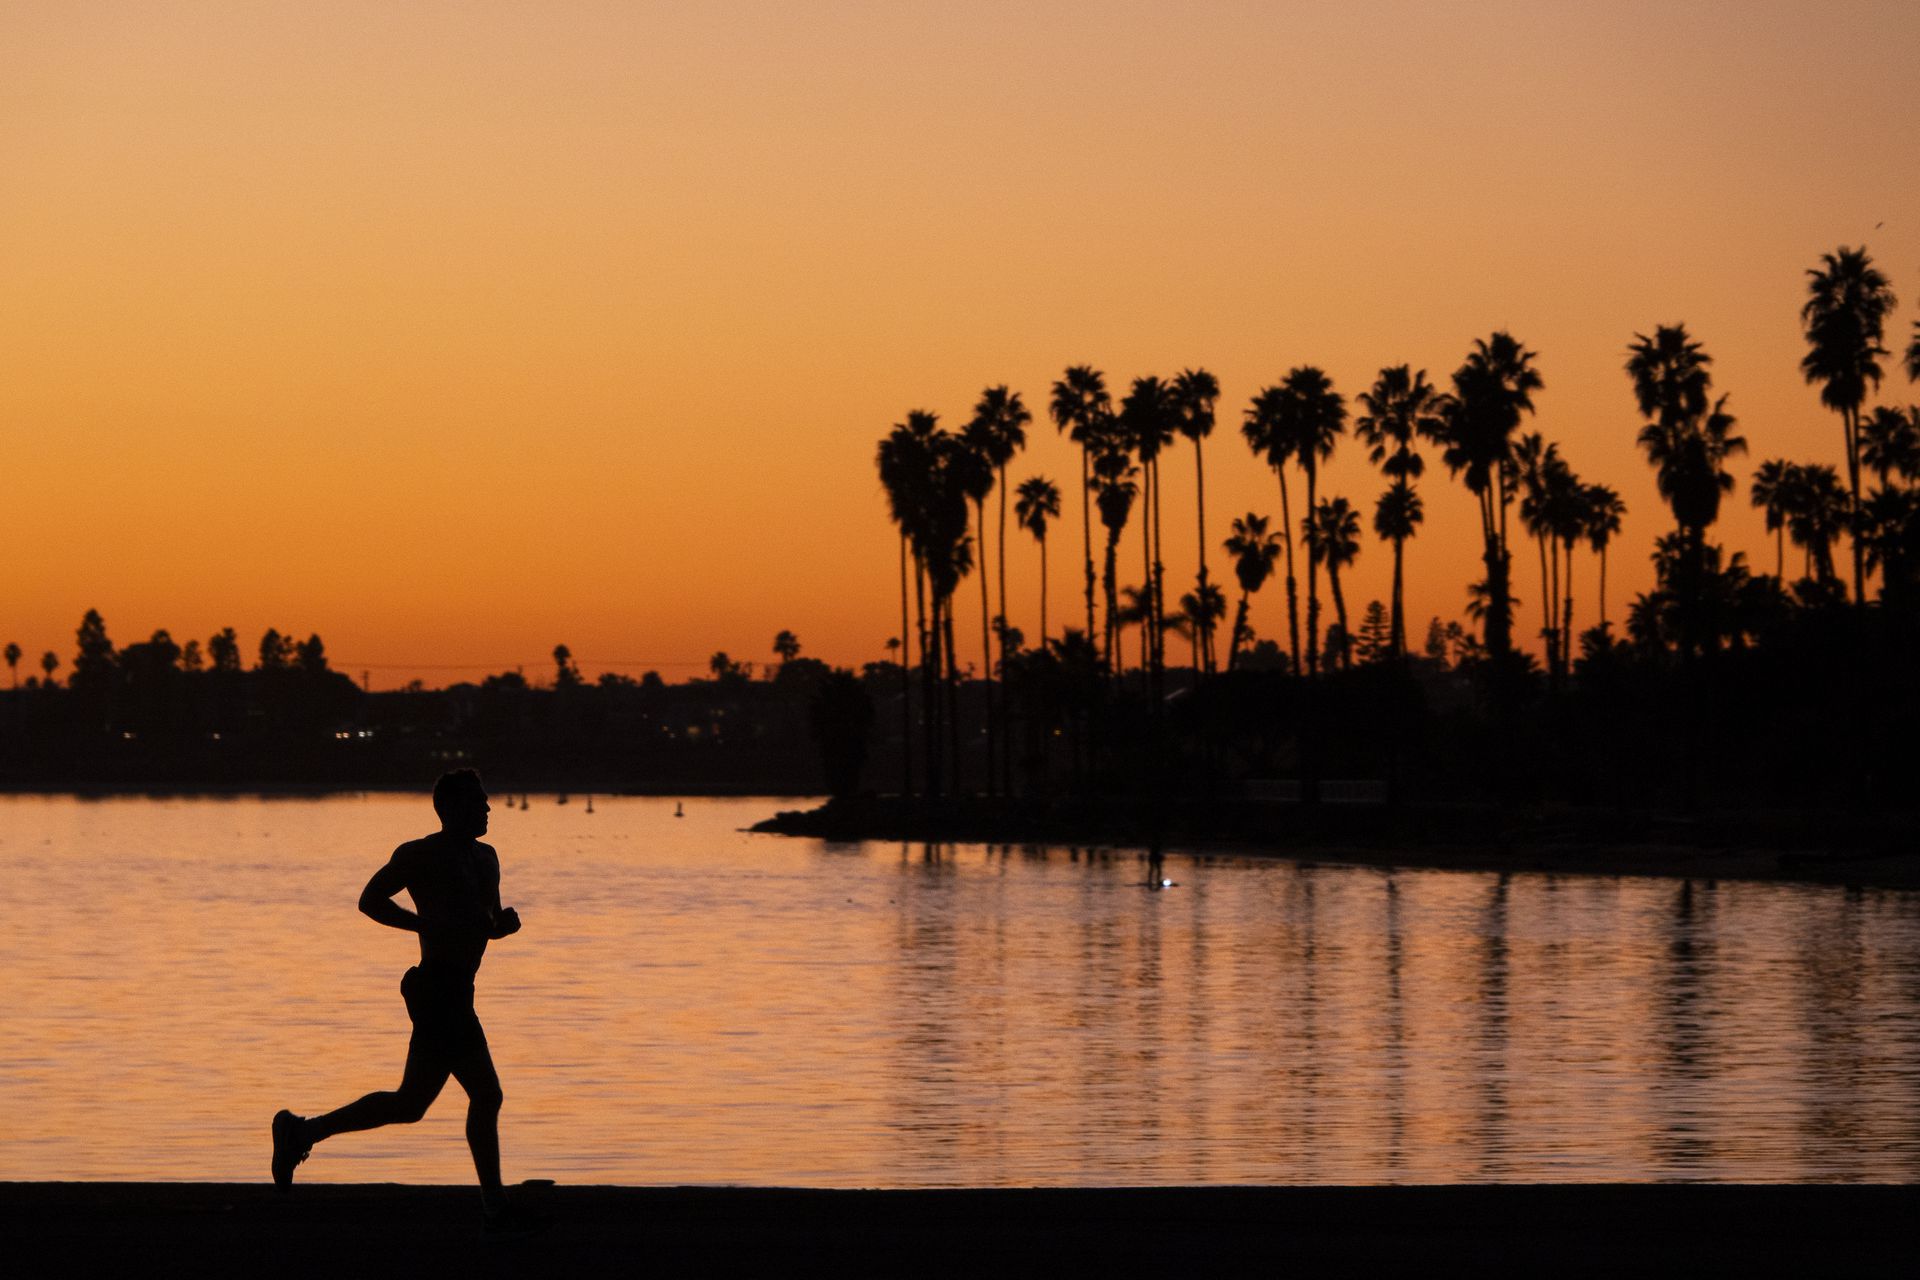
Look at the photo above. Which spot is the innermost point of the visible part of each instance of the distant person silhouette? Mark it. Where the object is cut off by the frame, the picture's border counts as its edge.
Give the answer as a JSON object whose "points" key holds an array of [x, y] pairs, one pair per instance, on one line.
{"points": [[454, 881]]}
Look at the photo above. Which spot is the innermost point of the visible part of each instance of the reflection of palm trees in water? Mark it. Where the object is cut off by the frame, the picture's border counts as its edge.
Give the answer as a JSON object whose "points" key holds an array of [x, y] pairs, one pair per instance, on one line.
{"points": [[1684, 1012], [1396, 1047], [1491, 1068]]}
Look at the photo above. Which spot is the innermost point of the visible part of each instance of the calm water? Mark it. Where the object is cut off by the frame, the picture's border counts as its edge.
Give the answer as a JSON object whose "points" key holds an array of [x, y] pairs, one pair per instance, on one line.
{"points": [[691, 1004]]}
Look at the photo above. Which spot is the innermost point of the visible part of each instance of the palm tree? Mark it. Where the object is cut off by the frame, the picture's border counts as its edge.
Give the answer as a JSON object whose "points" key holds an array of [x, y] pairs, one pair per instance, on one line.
{"points": [[1194, 393], [1567, 521], [1202, 608], [13, 662], [1081, 407], [1262, 430], [1039, 502], [1817, 510], [1913, 354], [49, 663], [1491, 390], [1771, 491], [1401, 407], [1333, 537], [1136, 606], [1848, 301], [905, 463], [1312, 416], [1535, 463], [1397, 515], [1149, 420], [993, 435], [1604, 510], [1115, 489], [1253, 550], [1890, 442]]}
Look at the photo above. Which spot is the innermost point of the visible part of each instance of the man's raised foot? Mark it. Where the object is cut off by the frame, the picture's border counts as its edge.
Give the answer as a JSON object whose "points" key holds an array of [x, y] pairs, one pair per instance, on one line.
{"points": [[289, 1147]]}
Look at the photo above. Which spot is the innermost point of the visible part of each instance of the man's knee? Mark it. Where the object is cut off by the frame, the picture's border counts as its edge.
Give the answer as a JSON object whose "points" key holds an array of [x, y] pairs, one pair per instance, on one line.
{"points": [[486, 1097], [410, 1107]]}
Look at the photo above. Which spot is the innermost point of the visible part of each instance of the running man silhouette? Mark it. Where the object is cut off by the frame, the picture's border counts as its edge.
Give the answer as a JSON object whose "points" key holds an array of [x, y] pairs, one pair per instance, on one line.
{"points": [[454, 881]]}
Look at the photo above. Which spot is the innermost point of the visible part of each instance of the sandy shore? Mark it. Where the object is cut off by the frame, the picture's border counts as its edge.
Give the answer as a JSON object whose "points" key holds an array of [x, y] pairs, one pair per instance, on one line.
{"points": [[221, 1229]]}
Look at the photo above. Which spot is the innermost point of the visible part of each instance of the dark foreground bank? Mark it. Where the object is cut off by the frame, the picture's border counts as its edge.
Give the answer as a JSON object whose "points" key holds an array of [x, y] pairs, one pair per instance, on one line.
{"points": [[1866, 849], [157, 1229]]}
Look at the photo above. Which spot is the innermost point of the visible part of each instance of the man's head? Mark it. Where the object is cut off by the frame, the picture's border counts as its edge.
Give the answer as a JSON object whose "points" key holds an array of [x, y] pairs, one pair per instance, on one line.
{"points": [[461, 802]]}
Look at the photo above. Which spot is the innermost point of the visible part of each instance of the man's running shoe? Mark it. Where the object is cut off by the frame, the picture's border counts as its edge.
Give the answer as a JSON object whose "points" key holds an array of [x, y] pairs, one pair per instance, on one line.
{"points": [[288, 1148]]}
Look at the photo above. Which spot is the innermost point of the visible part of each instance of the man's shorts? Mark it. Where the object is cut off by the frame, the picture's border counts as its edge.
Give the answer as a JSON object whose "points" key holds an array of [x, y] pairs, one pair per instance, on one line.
{"points": [[444, 1023]]}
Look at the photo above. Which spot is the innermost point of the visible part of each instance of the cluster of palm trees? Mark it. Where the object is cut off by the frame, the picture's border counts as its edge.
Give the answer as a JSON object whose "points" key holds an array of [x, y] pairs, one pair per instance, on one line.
{"points": [[1474, 423]]}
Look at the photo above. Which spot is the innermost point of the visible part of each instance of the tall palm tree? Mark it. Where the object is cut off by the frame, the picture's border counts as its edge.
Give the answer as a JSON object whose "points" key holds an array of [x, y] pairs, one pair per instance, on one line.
{"points": [[13, 662], [1534, 463], [905, 460], [1253, 550], [1115, 488], [1333, 538], [1397, 515], [1567, 521], [1845, 316], [1149, 421], [1312, 416], [1194, 394], [1038, 503], [1817, 510], [1890, 442], [1604, 511], [1771, 491], [1400, 408], [1263, 434], [971, 466], [1136, 606], [997, 430], [1081, 407], [1491, 390], [1201, 609]]}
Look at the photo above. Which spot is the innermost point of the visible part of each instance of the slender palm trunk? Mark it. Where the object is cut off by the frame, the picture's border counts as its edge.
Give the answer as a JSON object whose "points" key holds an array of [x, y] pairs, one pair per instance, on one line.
{"points": [[1000, 707], [1398, 632], [1566, 614], [953, 697], [1340, 613], [1850, 419], [1200, 504], [1160, 580], [1239, 631], [906, 683], [1293, 591], [986, 641], [929, 675], [1603, 586], [1113, 598], [1313, 589], [1086, 528], [1043, 591], [1146, 585], [1780, 555]]}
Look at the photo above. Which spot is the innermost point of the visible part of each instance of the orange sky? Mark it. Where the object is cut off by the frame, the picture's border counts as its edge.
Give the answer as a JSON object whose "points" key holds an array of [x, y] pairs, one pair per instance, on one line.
{"points": [[454, 332]]}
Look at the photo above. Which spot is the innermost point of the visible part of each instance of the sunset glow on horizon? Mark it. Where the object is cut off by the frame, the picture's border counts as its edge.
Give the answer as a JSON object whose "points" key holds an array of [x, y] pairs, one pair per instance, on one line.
{"points": [[456, 333]]}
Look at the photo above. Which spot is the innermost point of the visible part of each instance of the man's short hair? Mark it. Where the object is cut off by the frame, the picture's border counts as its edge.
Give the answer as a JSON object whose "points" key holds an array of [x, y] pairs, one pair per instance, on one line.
{"points": [[454, 786]]}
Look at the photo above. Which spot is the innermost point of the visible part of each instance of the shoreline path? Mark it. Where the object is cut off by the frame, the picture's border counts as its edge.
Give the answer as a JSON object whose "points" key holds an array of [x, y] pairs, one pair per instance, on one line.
{"points": [[340, 1230]]}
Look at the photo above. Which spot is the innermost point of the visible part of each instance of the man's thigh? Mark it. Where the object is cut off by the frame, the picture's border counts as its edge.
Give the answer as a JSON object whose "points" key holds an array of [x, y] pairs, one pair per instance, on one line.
{"points": [[472, 1065]]}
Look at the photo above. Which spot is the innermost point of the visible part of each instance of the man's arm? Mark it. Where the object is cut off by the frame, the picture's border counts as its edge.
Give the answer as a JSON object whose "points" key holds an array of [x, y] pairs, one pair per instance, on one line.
{"points": [[504, 920], [376, 900]]}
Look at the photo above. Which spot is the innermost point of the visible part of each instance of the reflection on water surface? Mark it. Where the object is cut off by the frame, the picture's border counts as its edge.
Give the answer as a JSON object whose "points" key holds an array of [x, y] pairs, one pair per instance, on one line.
{"points": [[691, 1004]]}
